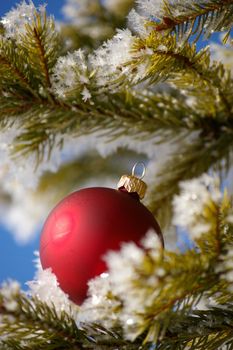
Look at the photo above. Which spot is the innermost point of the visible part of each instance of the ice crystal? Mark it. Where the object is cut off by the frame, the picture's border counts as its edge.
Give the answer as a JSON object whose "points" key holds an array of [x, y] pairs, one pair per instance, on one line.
{"points": [[194, 196], [71, 72], [113, 297], [123, 273], [122, 265], [9, 291], [109, 60], [151, 8], [46, 288], [15, 20], [99, 306], [85, 94], [136, 23], [152, 241]]}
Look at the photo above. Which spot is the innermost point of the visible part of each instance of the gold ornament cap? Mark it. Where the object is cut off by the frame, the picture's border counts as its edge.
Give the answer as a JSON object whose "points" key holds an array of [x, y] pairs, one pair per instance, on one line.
{"points": [[133, 183]]}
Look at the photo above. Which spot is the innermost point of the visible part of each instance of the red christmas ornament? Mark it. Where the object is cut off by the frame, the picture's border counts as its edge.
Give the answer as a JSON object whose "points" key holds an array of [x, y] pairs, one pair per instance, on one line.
{"points": [[88, 223]]}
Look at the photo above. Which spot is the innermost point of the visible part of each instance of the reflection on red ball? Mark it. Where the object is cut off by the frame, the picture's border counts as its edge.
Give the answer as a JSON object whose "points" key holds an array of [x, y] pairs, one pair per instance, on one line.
{"points": [[83, 227]]}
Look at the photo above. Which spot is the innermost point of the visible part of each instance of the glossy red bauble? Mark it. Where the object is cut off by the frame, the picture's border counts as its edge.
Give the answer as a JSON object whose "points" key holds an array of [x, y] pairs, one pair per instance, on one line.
{"points": [[83, 227]]}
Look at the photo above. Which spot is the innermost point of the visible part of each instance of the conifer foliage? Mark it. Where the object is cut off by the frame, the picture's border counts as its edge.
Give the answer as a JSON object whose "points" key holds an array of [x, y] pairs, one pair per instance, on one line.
{"points": [[123, 78]]}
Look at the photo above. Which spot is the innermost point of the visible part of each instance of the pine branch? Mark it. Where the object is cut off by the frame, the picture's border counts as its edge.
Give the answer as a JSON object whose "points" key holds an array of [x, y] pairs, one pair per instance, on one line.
{"points": [[43, 58], [182, 66], [41, 45], [115, 116], [185, 68], [208, 329], [26, 68], [196, 18], [37, 326], [13, 74], [191, 161], [161, 116], [33, 330]]}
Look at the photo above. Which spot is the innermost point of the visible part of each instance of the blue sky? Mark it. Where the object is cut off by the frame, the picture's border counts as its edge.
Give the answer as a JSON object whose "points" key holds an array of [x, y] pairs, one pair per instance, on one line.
{"points": [[15, 260]]}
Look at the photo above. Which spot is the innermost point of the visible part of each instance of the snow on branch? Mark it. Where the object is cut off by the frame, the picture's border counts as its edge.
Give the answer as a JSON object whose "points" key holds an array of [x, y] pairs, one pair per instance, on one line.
{"points": [[196, 196], [188, 19]]}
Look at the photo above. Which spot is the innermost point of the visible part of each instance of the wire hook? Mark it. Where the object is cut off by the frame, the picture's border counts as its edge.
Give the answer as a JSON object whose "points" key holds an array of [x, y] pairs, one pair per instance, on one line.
{"points": [[143, 170]]}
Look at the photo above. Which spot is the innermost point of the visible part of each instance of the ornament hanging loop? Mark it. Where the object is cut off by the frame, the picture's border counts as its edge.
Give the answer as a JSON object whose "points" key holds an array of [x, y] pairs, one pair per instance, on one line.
{"points": [[133, 183], [136, 165]]}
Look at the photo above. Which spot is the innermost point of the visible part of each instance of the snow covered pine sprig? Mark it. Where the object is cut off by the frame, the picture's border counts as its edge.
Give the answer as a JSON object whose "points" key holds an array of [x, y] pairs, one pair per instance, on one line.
{"points": [[193, 206], [77, 75]]}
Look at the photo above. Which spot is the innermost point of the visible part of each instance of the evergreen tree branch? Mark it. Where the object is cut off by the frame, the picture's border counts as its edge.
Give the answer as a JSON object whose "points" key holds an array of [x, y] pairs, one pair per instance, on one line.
{"points": [[12, 71], [33, 330], [37, 326], [116, 117], [204, 329], [43, 58], [160, 116], [196, 18], [192, 160], [180, 65], [185, 68], [41, 44]]}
